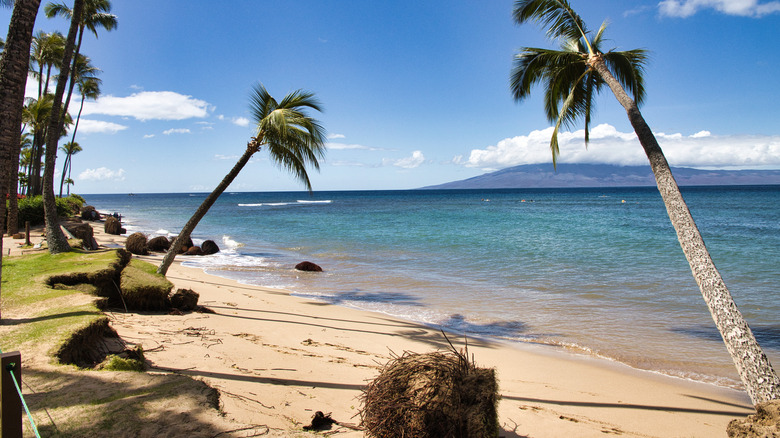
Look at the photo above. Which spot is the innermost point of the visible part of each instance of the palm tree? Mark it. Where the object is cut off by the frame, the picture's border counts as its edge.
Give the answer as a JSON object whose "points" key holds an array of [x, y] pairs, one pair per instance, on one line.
{"points": [[46, 52], [13, 77], [571, 77], [71, 148], [96, 14], [292, 138], [89, 87], [69, 182], [55, 238]]}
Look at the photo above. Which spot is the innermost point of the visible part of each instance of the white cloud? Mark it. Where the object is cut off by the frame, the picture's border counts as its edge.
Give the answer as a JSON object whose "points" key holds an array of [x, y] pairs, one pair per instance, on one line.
{"points": [[746, 8], [342, 146], [412, 162], [240, 121], [176, 131], [335, 136], [149, 105], [226, 157], [609, 146], [87, 126], [149, 136], [102, 174]]}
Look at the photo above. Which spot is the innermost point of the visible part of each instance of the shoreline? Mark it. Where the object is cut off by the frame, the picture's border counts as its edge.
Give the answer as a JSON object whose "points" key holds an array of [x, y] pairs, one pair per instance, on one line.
{"points": [[277, 358]]}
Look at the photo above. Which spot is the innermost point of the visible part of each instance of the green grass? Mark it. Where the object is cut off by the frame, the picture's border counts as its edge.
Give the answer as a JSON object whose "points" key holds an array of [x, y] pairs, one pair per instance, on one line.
{"points": [[66, 401]]}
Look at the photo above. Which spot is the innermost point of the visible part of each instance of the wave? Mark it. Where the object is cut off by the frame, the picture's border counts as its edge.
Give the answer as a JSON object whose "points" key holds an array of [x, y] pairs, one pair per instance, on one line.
{"points": [[230, 243], [282, 204]]}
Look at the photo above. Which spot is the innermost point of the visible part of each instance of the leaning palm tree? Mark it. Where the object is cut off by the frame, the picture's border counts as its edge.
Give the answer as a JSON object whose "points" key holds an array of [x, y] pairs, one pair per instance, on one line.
{"points": [[571, 77], [13, 77], [292, 138]]}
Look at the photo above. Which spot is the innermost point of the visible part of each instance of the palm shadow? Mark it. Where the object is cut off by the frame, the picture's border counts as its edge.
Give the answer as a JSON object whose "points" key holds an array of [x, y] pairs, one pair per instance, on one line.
{"points": [[766, 335]]}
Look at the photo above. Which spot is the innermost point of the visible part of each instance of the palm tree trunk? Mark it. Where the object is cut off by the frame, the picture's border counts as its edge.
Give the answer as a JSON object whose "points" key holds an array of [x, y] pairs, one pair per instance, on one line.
{"points": [[68, 156], [251, 148], [13, 77], [55, 238], [755, 370], [72, 80]]}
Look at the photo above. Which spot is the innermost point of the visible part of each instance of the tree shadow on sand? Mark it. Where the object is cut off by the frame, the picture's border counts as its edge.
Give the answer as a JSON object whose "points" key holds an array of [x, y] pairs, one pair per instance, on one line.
{"points": [[104, 403], [768, 336], [356, 295], [458, 324]]}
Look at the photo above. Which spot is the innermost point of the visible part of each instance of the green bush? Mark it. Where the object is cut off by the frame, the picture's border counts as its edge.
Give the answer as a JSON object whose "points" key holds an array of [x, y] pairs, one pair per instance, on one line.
{"points": [[31, 209]]}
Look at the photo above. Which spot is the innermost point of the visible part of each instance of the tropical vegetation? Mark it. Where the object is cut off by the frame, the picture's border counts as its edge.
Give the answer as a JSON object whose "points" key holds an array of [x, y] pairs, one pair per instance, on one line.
{"points": [[571, 77], [293, 139]]}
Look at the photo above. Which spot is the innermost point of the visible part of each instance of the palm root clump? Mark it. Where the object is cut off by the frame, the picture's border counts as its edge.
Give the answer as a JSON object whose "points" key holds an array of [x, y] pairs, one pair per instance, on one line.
{"points": [[158, 244], [764, 423], [113, 226], [136, 243], [431, 395]]}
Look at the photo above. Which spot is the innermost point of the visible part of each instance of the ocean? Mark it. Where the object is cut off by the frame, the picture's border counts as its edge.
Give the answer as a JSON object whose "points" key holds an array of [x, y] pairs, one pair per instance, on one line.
{"points": [[595, 271]]}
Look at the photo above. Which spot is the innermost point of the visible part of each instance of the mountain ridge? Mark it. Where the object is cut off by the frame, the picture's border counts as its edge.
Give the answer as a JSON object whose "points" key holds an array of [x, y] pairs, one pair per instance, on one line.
{"points": [[604, 175]]}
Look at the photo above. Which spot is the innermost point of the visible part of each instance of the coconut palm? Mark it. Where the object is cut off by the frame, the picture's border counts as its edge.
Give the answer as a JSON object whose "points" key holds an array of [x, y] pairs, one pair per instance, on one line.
{"points": [[571, 77], [46, 53], [96, 15], [13, 77], [71, 148], [292, 138], [55, 238], [89, 88]]}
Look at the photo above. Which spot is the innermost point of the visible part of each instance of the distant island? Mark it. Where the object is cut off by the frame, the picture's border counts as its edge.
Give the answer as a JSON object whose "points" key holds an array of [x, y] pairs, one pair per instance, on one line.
{"points": [[605, 175]]}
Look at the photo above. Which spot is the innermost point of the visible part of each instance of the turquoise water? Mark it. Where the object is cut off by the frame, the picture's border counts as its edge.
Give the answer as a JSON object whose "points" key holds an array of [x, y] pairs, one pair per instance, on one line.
{"points": [[598, 271]]}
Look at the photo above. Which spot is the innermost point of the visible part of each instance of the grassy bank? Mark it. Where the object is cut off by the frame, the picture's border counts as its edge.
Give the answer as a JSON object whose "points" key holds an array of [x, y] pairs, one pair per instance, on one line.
{"points": [[48, 301]]}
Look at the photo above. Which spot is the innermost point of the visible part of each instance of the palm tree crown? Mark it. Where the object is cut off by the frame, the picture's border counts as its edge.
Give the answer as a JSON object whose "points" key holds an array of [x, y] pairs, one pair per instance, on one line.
{"points": [[568, 75], [293, 139]]}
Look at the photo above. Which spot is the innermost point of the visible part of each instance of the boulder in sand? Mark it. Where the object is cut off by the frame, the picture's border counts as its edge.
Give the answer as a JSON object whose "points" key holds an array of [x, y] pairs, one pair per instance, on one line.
{"points": [[209, 247], [308, 266]]}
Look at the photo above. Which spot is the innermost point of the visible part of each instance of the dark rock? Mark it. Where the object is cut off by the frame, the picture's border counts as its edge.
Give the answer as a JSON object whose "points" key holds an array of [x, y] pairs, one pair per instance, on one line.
{"points": [[194, 250], [308, 266], [209, 247], [159, 244], [765, 423], [185, 300], [136, 243], [81, 231], [113, 226], [89, 213]]}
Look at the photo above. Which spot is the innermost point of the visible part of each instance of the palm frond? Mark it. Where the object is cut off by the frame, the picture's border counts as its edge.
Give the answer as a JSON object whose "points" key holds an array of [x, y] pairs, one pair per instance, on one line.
{"points": [[533, 65], [54, 9], [294, 139], [628, 68], [556, 15]]}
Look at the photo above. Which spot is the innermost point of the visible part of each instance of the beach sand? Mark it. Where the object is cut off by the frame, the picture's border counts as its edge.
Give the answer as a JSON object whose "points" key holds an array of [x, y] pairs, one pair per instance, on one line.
{"points": [[277, 359]]}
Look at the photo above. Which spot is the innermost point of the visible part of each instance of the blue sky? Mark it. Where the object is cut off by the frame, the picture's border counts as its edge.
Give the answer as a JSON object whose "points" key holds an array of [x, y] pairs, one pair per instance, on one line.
{"points": [[415, 93]]}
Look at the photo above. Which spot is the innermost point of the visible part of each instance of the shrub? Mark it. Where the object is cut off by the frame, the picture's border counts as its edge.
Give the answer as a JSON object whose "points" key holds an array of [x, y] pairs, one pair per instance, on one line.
{"points": [[31, 209]]}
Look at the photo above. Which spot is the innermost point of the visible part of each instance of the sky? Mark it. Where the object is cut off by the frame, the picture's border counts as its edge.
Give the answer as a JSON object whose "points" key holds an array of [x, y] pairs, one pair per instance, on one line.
{"points": [[414, 93]]}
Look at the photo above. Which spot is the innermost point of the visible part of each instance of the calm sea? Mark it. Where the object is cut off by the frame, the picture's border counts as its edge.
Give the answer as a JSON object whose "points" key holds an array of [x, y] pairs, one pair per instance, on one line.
{"points": [[598, 271]]}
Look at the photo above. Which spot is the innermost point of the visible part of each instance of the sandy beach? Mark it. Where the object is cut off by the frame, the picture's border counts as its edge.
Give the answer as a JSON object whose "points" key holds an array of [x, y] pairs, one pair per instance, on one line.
{"points": [[277, 359]]}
